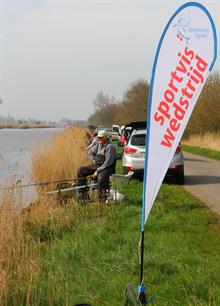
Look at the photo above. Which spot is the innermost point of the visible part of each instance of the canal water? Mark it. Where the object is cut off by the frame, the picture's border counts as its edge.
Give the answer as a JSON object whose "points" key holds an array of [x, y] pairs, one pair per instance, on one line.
{"points": [[16, 147]]}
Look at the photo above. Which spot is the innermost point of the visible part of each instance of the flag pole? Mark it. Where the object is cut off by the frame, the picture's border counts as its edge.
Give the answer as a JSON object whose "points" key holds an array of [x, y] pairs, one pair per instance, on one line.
{"points": [[142, 258], [141, 289], [142, 299]]}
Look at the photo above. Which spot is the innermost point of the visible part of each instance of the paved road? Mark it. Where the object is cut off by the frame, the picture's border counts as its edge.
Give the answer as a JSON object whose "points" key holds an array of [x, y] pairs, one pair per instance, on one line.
{"points": [[202, 179]]}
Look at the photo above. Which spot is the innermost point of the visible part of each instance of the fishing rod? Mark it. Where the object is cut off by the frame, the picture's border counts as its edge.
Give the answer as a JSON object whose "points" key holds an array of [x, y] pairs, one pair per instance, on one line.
{"points": [[32, 184], [72, 188]]}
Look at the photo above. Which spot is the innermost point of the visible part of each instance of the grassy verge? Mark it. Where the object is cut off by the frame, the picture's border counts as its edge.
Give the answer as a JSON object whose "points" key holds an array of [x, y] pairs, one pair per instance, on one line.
{"points": [[89, 253], [202, 151]]}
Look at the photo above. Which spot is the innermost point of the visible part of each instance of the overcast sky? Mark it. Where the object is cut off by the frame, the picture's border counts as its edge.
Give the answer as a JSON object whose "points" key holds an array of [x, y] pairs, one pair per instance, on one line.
{"points": [[55, 55]]}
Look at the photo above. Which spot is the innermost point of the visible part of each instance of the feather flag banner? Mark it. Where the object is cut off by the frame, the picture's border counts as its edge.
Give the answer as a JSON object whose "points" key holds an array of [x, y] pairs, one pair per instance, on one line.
{"points": [[184, 58]]}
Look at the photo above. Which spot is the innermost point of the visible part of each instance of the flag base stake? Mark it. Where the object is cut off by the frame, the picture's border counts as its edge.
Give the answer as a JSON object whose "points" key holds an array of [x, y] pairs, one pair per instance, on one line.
{"points": [[142, 299], [131, 298], [134, 299]]}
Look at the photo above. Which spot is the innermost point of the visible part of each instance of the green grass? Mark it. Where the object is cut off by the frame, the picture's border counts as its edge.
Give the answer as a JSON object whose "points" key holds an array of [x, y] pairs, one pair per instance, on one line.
{"points": [[93, 256], [202, 151]]}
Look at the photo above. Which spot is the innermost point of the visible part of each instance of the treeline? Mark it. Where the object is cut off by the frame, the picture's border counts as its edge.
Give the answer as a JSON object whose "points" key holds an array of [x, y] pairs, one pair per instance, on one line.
{"points": [[206, 115], [133, 107]]}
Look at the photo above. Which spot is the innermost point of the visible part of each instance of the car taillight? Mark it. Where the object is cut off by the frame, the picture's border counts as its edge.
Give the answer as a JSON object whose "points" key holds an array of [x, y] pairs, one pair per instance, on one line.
{"points": [[130, 150], [173, 167], [130, 168], [178, 149]]}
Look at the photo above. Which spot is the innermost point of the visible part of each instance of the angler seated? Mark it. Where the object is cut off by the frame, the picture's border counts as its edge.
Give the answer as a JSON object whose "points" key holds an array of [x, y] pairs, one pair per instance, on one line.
{"points": [[103, 157]]}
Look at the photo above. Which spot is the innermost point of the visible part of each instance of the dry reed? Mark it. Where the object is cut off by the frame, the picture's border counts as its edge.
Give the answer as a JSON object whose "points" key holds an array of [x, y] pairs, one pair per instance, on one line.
{"points": [[207, 140], [19, 248], [17, 252], [60, 158], [21, 241]]}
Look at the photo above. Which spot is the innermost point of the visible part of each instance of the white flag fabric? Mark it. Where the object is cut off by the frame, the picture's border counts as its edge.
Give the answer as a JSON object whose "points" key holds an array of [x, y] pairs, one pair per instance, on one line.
{"points": [[185, 56]]}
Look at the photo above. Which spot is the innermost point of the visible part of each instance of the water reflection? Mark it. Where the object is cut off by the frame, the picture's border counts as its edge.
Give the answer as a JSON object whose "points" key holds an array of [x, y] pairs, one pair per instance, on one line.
{"points": [[16, 147]]}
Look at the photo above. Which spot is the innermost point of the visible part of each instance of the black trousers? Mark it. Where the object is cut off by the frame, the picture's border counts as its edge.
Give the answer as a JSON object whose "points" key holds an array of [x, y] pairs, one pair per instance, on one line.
{"points": [[103, 179]]}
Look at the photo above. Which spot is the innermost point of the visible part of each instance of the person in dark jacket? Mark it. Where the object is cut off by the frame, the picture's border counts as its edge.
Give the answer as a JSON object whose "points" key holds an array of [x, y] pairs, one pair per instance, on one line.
{"points": [[103, 157]]}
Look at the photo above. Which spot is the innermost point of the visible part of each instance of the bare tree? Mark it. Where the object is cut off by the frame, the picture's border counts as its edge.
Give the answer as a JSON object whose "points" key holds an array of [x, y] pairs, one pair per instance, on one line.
{"points": [[102, 101]]}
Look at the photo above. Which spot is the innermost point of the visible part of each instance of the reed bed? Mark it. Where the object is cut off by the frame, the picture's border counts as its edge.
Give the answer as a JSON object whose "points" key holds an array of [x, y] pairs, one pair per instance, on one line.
{"points": [[22, 231], [59, 158], [208, 141], [18, 253]]}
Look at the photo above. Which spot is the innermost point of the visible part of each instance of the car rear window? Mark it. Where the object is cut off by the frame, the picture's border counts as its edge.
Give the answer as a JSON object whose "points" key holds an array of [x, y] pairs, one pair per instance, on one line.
{"points": [[138, 140]]}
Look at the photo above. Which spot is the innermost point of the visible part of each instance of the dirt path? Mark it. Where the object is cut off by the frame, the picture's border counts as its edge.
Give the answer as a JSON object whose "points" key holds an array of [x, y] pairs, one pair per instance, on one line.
{"points": [[202, 179]]}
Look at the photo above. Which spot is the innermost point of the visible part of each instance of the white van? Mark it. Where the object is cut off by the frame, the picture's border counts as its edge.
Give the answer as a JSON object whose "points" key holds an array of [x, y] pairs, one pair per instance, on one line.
{"points": [[115, 129], [115, 133]]}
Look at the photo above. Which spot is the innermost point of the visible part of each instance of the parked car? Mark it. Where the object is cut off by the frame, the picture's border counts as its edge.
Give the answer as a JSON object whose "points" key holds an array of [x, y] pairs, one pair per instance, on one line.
{"points": [[115, 129], [115, 133], [134, 156], [109, 131], [99, 128], [127, 129]]}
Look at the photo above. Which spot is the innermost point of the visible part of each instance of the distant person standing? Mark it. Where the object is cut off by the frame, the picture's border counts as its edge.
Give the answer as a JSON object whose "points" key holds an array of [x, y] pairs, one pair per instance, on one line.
{"points": [[94, 141], [103, 157]]}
